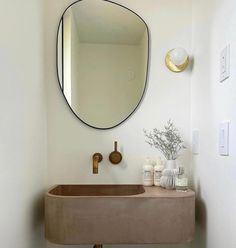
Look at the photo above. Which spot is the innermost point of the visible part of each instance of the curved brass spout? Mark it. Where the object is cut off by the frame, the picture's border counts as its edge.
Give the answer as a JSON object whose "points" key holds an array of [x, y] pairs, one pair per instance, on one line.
{"points": [[97, 158]]}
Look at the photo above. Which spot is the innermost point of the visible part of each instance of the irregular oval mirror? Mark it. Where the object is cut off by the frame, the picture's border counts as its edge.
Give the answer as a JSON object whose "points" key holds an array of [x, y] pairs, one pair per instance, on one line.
{"points": [[102, 61]]}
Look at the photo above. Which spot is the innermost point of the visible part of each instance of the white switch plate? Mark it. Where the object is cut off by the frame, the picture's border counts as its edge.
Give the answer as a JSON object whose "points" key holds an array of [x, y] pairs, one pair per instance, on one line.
{"points": [[224, 138], [195, 142], [225, 64]]}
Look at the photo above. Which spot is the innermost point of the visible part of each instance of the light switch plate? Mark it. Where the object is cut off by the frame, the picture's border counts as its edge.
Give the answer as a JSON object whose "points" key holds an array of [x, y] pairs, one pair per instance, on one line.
{"points": [[195, 142], [224, 138], [225, 64]]}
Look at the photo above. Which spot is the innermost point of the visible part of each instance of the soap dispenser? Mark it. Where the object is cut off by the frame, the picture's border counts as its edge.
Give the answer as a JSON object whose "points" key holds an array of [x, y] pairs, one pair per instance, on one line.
{"points": [[148, 172], [158, 168]]}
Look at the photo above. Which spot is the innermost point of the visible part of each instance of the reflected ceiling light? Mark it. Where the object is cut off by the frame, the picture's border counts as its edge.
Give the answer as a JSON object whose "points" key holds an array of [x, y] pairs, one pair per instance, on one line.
{"points": [[177, 59]]}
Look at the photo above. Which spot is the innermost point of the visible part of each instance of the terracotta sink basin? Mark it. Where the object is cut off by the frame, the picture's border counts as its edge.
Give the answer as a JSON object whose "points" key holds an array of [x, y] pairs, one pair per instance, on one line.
{"points": [[97, 190], [118, 214]]}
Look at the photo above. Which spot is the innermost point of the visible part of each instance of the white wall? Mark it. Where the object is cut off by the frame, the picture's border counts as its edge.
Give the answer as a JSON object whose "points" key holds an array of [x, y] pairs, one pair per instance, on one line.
{"points": [[214, 176], [71, 144], [22, 125]]}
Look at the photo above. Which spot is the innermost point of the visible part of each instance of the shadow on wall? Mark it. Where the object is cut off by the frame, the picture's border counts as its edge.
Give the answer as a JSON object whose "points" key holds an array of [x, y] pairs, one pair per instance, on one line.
{"points": [[37, 223], [191, 64], [201, 220]]}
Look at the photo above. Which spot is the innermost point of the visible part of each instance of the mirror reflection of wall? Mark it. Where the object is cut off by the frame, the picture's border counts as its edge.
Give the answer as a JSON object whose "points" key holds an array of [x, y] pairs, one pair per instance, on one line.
{"points": [[103, 64]]}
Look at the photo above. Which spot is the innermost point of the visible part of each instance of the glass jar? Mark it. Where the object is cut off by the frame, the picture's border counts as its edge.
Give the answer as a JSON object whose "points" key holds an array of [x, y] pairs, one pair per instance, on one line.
{"points": [[181, 181]]}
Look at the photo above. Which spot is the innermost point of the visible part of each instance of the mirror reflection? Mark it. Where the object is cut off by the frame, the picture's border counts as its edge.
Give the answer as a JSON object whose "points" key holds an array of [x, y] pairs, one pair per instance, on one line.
{"points": [[102, 61]]}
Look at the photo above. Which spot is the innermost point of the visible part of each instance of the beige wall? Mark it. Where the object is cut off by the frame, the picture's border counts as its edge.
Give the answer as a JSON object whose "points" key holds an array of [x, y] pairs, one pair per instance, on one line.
{"points": [[143, 56], [22, 125], [212, 102], [75, 51], [67, 53], [96, 75], [71, 143], [101, 80]]}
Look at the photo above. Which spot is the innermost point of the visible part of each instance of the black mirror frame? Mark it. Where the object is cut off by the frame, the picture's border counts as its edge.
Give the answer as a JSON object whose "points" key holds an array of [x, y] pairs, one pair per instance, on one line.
{"points": [[147, 70]]}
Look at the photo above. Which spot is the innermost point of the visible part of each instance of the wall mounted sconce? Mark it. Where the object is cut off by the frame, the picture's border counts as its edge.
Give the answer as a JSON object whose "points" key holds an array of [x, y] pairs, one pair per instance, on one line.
{"points": [[177, 59]]}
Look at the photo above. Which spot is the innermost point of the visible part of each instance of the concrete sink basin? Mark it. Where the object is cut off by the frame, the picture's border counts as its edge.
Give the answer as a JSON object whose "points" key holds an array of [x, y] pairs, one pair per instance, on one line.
{"points": [[118, 214], [97, 190]]}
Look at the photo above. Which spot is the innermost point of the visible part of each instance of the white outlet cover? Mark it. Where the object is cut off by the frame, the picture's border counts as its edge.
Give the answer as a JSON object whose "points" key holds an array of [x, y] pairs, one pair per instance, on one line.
{"points": [[225, 64]]}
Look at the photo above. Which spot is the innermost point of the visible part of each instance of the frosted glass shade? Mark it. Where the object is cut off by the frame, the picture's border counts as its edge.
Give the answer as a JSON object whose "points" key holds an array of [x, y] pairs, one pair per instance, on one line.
{"points": [[177, 60], [178, 56]]}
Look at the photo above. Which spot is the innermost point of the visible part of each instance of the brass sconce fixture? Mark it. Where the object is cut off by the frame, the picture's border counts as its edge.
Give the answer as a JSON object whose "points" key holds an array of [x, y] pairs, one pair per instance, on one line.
{"points": [[177, 60]]}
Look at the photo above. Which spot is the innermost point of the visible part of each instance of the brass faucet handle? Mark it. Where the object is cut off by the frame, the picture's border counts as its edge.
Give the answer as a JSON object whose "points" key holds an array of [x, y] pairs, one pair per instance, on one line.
{"points": [[97, 158], [115, 157]]}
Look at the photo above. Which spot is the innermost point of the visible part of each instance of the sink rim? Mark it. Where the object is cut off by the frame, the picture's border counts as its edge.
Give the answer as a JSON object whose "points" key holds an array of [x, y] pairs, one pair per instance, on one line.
{"points": [[149, 192], [139, 186]]}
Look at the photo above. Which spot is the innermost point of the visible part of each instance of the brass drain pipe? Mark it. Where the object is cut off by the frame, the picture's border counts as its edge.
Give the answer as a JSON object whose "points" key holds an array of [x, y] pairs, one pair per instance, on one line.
{"points": [[97, 246]]}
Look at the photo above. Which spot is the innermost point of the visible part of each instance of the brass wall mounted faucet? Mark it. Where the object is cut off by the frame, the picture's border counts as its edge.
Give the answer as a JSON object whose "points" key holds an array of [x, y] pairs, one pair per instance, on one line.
{"points": [[97, 158]]}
